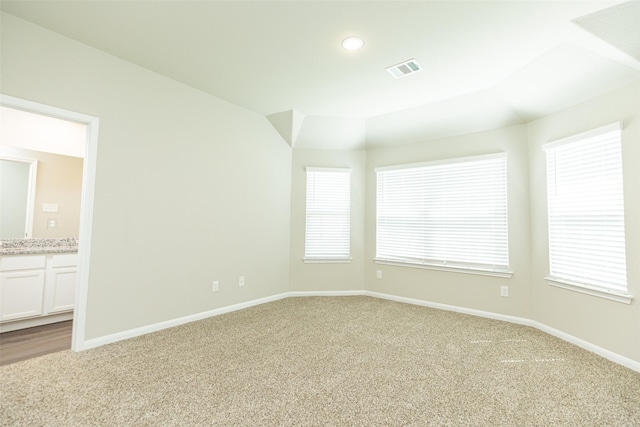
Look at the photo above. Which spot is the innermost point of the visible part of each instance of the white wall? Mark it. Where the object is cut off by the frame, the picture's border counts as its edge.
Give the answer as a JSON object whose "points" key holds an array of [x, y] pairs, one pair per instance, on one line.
{"points": [[188, 189], [608, 324], [458, 289], [327, 277]]}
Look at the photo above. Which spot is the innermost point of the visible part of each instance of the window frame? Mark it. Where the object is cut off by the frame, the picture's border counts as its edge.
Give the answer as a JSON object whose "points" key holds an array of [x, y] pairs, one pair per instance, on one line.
{"points": [[460, 267], [310, 259], [610, 292]]}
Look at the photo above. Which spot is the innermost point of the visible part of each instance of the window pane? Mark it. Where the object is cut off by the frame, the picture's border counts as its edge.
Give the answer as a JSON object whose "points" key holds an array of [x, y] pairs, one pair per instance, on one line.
{"points": [[328, 213], [586, 210], [452, 214]]}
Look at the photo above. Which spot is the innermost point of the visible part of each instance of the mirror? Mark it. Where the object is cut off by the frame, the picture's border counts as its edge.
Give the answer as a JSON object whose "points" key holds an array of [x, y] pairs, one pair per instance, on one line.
{"points": [[17, 193], [41, 170]]}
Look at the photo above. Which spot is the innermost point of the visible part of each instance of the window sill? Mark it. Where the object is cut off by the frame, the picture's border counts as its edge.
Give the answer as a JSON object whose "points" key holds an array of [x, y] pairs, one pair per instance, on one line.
{"points": [[466, 270], [326, 260], [585, 289]]}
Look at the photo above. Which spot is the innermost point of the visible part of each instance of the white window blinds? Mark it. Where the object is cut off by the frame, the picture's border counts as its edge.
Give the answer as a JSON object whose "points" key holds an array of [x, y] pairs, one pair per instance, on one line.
{"points": [[328, 214], [451, 213], [586, 209]]}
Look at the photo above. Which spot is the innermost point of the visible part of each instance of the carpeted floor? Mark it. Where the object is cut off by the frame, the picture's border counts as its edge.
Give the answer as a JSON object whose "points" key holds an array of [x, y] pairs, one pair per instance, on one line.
{"points": [[326, 361]]}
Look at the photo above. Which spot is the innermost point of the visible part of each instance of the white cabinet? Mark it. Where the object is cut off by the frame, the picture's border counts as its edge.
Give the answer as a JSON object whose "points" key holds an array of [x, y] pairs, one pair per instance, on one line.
{"points": [[21, 286], [21, 294], [61, 283], [36, 286]]}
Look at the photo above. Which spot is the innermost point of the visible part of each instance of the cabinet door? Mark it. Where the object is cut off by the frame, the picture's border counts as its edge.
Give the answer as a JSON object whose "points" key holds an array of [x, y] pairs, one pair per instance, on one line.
{"points": [[21, 294], [63, 289]]}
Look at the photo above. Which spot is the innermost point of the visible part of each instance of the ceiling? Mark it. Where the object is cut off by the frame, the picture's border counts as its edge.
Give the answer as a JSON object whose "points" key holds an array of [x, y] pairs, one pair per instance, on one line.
{"points": [[487, 64]]}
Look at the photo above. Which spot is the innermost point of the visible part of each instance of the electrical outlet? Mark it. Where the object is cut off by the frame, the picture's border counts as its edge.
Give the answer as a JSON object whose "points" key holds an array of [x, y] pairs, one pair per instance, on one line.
{"points": [[241, 281], [216, 286], [504, 291], [378, 274]]}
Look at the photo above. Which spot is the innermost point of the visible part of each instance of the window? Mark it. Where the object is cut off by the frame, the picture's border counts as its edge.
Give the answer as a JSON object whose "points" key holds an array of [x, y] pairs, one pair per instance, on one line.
{"points": [[448, 215], [586, 212], [328, 215]]}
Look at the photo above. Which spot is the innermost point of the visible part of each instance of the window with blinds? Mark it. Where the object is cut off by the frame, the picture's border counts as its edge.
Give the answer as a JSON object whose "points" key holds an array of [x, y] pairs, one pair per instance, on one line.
{"points": [[328, 223], [450, 214], [586, 210]]}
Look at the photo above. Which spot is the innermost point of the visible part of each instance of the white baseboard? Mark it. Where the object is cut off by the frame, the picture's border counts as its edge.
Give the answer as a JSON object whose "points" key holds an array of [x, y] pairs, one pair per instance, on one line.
{"points": [[607, 354], [455, 308], [325, 293], [119, 336]]}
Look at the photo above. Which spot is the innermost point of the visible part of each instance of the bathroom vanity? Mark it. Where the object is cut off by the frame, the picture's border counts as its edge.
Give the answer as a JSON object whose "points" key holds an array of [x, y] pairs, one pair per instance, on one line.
{"points": [[37, 282]]}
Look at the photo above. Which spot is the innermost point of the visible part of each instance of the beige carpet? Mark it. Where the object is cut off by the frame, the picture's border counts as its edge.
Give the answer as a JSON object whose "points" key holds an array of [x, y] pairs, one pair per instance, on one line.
{"points": [[327, 361]]}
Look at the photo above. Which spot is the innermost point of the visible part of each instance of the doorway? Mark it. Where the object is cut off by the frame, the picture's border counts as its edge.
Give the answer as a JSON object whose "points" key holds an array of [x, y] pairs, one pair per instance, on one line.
{"points": [[86, 204]]}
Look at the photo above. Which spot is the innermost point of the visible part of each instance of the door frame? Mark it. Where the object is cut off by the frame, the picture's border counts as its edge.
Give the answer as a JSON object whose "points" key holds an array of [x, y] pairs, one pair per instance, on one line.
{"points": [[86, 206]]}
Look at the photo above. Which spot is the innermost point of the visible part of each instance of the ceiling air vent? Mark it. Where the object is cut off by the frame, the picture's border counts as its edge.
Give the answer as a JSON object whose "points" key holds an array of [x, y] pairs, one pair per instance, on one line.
{"points": [[404, 68]]}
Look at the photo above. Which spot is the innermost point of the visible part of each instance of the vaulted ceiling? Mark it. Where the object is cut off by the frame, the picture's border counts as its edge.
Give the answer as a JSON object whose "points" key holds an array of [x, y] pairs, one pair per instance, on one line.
{"points": [[487, 64]]}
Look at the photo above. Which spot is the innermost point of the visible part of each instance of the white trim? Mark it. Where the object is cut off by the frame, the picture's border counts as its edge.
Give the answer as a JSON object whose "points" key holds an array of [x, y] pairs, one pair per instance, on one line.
{"points": [[31, 198], [607, 354], [295, 294], [132, 333], [454, 308], [501, 155], [86, 226], [326, 260], [454, 269], [584, 289], [616, 126], [86, 212]]}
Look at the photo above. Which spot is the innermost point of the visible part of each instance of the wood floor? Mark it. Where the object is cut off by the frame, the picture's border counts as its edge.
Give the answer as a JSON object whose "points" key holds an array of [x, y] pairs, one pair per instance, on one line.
{"points": [[33, 342]]}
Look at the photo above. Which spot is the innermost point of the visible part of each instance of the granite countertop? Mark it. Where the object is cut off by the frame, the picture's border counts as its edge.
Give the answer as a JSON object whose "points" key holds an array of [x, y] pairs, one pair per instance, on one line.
{"points": [[37, 246]]}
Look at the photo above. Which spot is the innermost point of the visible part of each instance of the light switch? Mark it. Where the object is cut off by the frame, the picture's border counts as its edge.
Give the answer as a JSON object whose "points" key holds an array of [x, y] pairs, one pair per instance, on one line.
{"points": [[50, 207], [52, 222]]}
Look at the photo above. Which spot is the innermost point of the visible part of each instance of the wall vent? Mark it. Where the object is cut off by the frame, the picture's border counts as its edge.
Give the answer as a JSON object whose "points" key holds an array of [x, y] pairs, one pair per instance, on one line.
{"points": [[405, 68]]}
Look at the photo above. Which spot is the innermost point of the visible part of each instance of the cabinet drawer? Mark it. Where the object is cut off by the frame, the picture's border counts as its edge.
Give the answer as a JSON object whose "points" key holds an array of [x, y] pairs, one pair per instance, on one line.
{"points": [[9, 263], [64, 260]]}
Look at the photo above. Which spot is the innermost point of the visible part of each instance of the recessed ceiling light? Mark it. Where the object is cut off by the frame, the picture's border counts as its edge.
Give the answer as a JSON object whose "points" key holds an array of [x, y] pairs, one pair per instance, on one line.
{"points": [[352, 43]]}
